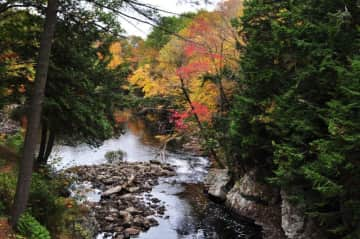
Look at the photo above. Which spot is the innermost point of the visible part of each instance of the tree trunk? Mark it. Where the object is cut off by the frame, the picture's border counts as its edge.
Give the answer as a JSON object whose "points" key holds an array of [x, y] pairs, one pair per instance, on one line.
{"points": [[187, 97], [26, 162], [44, 134], [49, 147]]}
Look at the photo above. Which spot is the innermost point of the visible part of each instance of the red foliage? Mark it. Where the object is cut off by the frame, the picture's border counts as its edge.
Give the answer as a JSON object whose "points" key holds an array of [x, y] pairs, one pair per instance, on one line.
{"points": [[179, 118], [192, 68], [202, 111], [192, 49], [199, 26]]}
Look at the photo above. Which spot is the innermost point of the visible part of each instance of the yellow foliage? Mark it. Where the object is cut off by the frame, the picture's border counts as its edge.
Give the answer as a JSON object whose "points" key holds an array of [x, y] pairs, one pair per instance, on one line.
{"points": [[116, 58], [150, 85]]}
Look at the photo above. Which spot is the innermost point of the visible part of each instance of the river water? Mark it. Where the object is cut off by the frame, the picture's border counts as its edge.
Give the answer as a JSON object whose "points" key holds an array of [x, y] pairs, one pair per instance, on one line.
{"points": [[189, 213]]}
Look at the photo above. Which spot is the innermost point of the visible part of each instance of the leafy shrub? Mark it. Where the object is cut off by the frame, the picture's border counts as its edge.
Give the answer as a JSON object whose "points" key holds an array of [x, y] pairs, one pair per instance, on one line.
{"points": [[14, 141], [28, 226], [51, 206], [114, 156], [7, 191]]}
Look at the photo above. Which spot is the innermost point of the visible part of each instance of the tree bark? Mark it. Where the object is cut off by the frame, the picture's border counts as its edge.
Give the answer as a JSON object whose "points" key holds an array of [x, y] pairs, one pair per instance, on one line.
{"points": [[27, 160], [44, 134], [49, 147]]}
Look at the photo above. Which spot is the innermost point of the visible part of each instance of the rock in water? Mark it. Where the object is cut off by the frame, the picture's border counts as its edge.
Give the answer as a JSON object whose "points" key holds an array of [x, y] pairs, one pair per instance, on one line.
{"points": [[132, 231], [112, 191]]}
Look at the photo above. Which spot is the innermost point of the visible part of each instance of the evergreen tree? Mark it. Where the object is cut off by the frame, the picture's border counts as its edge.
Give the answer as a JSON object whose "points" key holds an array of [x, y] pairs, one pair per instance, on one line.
{"points": [[297, 110]]}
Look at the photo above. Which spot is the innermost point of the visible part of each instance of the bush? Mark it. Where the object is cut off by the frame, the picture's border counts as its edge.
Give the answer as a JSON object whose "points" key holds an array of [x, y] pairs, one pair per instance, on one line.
{"points": [[15, 141], [115, 156], [7, 191], [29, 227], [48, 203]]}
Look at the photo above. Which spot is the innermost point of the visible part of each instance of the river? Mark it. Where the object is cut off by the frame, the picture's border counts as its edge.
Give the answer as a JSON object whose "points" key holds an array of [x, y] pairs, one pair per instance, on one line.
{"points": [[189, 213]]}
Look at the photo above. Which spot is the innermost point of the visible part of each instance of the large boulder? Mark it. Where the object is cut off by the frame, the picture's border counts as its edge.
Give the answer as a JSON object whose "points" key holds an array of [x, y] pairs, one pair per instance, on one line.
{"points": [[294, 222], [257, 201], [216, 182]]}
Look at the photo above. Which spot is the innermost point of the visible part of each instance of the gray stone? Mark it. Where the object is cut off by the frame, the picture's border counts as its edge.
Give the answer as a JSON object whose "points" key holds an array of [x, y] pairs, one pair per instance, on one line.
{"points": [[216, 182], [112, 191], [243, 199], [133, 189], [110, 219], [132, 231], [295, 223], [133, 210]]}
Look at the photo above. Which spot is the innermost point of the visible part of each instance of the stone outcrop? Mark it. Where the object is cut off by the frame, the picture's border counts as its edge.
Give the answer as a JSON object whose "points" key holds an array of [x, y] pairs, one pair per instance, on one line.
{"points": [[216, 183], [259, 202], [262, 203], [294, 221]]}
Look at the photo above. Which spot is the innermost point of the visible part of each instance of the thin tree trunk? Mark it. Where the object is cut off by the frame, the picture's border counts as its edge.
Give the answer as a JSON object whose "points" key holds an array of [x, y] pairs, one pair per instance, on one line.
{"points": [[26, 162], [44, 134], [49, 147], [223, 99], [212, 151]]}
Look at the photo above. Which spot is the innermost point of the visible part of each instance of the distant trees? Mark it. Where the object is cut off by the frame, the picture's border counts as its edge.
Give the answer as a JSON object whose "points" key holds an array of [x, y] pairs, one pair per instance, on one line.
{"points": [[166, 28]]}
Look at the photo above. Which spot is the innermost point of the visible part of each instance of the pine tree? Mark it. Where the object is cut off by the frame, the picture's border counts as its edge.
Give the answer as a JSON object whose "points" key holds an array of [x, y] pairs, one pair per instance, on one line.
{"points": [[297, 110]]}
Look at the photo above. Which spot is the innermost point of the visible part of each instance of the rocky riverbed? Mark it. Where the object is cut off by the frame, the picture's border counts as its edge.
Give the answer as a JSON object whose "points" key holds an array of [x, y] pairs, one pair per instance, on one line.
{"points": [[126, 206], [130, 192]]}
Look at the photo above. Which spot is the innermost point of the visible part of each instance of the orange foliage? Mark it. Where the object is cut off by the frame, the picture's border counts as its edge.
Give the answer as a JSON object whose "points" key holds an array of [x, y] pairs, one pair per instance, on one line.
{"points": [[116, 57]]}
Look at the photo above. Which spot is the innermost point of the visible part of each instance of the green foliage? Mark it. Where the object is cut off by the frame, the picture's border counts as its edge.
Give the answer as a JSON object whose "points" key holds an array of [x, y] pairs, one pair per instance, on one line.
{"points": [[28, 226], [48, 203], [7, 191], [298, 108], [114, 156], [161, 34], [82, 92], [15, 142]]}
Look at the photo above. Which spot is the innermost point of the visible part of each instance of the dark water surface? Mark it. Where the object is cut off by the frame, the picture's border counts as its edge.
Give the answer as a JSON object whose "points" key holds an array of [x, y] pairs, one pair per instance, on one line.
{"points": [[189, 213]]}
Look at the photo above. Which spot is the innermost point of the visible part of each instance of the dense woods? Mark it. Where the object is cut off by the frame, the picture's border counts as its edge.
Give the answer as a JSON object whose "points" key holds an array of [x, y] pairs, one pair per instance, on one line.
{"points": [[270, 86]]}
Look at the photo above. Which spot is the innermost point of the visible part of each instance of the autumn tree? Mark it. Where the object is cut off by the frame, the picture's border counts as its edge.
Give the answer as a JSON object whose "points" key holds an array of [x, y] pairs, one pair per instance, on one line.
{"points": [[18, 49]]}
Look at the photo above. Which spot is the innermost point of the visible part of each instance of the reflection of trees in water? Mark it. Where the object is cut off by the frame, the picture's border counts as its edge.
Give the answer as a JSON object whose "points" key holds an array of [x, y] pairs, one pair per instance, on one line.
{"points": [[141, 129]]}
